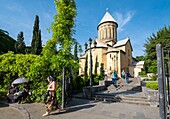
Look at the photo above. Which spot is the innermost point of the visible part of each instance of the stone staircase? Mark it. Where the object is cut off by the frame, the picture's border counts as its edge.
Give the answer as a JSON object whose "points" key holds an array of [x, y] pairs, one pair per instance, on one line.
{"points": [[128, 98], [134, 100], [125, 93], [134, 85]]}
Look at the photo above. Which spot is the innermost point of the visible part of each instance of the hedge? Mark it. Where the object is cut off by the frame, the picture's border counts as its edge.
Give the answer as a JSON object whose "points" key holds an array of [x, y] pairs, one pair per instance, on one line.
{"points": [[154, 85]]}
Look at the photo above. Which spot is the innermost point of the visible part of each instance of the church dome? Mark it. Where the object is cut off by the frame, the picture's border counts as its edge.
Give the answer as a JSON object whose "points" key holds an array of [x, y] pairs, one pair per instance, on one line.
{"points": [[107, 29], [107, 18]]}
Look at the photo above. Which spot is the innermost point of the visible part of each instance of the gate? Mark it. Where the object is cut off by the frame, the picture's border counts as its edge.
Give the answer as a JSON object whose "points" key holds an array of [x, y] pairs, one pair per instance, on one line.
{"points": [[163, 80]]}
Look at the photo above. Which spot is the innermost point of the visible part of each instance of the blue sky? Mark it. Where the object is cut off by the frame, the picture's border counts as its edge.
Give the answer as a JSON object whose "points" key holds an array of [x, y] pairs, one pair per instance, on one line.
{"points": [[136, 19]]}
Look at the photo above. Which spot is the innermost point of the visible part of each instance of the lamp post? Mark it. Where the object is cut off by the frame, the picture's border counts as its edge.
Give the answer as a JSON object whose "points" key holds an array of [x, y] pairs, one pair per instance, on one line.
{"points": [[91, 65]]}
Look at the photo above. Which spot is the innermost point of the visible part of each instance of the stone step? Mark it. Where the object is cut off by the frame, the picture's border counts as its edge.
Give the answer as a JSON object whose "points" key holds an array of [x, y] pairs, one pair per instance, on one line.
{"points": [[134, 98], [106, 98], [125, 87], [135, 102]]}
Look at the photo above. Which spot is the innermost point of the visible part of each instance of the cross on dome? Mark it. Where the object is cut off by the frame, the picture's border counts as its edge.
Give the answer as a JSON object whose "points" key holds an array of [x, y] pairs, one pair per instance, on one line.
{"points": [[107, 9]]}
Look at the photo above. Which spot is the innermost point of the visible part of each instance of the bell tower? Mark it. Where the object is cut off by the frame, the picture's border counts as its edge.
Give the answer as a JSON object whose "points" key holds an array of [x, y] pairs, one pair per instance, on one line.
{"points": [[107, 29]]}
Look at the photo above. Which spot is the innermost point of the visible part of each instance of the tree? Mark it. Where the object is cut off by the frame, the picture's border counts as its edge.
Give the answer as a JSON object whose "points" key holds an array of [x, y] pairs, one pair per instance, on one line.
{"points": [[63, 30], [85, 68], [36, 44], [20, 44], [102, 70], [161, 37], [96, 65], [75, 57], [140, 58], [6, 42]]}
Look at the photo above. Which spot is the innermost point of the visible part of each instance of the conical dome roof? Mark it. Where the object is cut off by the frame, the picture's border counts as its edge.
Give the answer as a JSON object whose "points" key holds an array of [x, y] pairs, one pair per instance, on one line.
{"points": [[107, 17]]}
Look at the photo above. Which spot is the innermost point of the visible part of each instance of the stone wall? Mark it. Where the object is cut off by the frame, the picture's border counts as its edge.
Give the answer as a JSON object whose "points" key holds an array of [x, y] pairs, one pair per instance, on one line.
{"points": [[89, 91], [152, 96]]}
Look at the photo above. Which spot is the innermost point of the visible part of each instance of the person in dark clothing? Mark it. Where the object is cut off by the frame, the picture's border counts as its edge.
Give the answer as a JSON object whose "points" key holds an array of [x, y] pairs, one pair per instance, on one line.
{"points": [[127, 75], [23, 93], [114, 78], [12, 92]]}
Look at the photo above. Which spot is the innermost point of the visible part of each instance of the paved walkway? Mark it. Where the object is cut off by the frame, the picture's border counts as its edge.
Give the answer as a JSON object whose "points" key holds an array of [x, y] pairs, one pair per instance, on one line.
{"points": [[10, 113], [84, 109]]}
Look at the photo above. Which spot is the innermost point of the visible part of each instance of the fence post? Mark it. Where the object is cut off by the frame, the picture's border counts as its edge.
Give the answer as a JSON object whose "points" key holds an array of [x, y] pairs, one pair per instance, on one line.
{"points": [[161, 82], [168, 76], [63, 90]]}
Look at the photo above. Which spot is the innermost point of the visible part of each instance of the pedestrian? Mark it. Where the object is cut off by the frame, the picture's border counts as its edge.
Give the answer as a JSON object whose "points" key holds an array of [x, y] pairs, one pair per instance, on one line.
{"points": [[12, 92], [24, 93], [51, 99], [127, 75], [114, 78], [123, 74]]}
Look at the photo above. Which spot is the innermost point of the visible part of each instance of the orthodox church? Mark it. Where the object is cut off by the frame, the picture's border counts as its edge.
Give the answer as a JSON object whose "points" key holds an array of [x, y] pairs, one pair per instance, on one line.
{"points": [[110, 52]]}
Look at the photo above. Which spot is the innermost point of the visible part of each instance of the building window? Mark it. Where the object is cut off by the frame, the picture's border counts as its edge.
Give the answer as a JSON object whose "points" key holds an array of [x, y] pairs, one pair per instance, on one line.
{"points": [[110, 68], [128, 61], [110, 56]]}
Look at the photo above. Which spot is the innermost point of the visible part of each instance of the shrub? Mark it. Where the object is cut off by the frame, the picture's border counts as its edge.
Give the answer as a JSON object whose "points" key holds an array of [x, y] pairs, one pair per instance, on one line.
{"points": [[97, 78], [154, 78], [152, 85], [3, 93], [143, 74]]}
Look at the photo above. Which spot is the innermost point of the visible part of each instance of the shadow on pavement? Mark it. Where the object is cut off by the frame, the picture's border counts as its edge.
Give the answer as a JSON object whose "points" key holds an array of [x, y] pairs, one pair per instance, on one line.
{"points": [[73, 109], [3, 104]]}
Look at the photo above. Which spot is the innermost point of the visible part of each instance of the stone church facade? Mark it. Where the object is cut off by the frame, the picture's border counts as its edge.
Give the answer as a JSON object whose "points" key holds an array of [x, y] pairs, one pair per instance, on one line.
{"points": [[112, 53]]}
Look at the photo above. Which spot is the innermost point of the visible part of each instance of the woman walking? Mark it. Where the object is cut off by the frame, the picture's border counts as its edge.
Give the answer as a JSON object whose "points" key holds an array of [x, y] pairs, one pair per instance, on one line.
{"points": [[51, 98]]}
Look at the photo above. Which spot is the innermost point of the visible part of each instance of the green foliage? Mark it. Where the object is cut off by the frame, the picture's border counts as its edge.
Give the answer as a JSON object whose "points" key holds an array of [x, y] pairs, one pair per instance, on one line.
{"points": [[102, 70], [75, 52], [36, 44], [95, 70], [154, 78], [143, 74], [85, 68], [152, 85], [140, 58], [20, 44], [161, 37], [6, 42], [3, 93], [63, 24], [37, 67], [97, 78], [78, 83]]}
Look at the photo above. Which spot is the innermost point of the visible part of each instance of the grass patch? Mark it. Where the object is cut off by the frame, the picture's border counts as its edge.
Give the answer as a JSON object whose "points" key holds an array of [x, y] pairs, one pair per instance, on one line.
{"points": [[154, 85]]}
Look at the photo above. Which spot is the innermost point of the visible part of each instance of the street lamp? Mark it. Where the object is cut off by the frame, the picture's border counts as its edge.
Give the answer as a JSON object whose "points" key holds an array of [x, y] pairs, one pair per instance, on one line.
{"points": [[90, 48]]}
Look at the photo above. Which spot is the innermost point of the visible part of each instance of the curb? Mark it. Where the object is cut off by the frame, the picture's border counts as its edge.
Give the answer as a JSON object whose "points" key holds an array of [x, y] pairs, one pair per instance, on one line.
{"points": [[23, 110]]}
